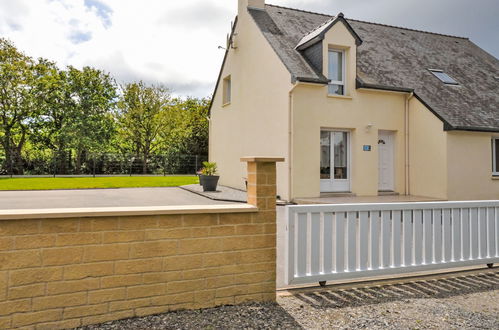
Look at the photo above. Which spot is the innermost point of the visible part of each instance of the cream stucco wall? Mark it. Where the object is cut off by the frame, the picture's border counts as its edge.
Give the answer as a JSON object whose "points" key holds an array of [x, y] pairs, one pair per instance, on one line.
{"points": [[427, 152], [270, 116], [470, 166], [313, 110], [256, 120]]}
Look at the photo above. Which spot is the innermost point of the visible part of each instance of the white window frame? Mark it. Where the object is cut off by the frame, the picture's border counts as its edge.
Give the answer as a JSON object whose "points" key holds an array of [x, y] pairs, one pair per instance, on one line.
{"points": [[324, 188], [495, 166], [343, 73], [450, 83], [227, 90]]}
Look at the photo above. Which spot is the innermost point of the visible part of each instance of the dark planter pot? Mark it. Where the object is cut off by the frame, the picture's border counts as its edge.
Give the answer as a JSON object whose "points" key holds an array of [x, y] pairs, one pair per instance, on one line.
{"points": [[210, 182], [200, 176]]}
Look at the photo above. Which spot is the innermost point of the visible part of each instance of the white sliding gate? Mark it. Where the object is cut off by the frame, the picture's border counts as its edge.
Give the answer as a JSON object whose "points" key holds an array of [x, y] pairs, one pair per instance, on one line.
{"points": [[346, 241]]}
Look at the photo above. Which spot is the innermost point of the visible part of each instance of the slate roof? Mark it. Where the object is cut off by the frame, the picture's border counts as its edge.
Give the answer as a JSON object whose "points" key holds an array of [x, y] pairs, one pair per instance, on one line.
{"points": [[396, 58]]}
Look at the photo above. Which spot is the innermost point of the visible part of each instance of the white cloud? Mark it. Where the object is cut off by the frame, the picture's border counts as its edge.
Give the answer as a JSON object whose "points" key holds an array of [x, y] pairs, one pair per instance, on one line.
{"points": [[173, 43], [169, 42]]}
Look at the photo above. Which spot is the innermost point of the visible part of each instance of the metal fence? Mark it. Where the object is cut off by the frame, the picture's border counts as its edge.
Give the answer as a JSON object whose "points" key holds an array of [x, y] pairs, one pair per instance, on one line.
{"points": [[98, 164], [331, 242]]}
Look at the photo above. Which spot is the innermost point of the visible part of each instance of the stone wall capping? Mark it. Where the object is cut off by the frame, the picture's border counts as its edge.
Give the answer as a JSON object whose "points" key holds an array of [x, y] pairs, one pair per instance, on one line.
{"points": [[123, 211]]}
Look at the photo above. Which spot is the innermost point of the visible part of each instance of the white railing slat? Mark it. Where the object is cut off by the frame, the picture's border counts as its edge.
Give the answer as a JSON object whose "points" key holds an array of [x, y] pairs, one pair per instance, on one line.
{"points": [[418, 237], [482, 232], [466, 232], [474, 232], [374, 241], [456, 235], [327, 245], [446, 235], [290, 273], [407, 236], [363, 240], [347, 241], [386, 234], [315, 242], [428, 236], [497, 231], [301, 244], [396, 238], [437, 236], [491, 246], [351, 241], [339, 248]]}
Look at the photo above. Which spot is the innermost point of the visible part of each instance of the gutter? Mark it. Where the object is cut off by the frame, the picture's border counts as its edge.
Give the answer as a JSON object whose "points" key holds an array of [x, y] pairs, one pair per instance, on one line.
{"points": [[290, 136], [290, 141], [407, 145]]}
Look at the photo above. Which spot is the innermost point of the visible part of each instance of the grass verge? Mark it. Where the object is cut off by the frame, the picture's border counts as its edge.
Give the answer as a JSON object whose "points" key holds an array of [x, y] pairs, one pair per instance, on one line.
{"points": [[92, 183]]}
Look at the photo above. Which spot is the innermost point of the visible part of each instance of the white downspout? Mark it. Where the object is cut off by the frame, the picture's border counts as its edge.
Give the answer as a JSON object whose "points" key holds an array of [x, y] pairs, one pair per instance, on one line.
{"points": [[407, 158], [290, 143]]}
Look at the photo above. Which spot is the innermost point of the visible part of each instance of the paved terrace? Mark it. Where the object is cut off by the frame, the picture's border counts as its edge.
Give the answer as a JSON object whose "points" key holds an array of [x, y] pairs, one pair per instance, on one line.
{"points": [[50, 199]]}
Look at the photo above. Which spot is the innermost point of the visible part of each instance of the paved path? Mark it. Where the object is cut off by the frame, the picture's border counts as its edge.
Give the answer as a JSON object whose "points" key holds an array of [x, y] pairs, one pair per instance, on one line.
{"points": [[101, 198]]}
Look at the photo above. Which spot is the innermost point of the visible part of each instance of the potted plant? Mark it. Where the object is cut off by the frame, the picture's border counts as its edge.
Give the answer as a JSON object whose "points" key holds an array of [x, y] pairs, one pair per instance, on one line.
{"points": [[200, 176], [209, 177]]}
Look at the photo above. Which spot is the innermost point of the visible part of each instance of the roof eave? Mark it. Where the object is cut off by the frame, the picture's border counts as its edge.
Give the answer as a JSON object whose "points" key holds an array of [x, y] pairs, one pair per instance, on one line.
{"points": [[222, 66], [360, 84], [313, 80], [472, 129], [339, 18]]}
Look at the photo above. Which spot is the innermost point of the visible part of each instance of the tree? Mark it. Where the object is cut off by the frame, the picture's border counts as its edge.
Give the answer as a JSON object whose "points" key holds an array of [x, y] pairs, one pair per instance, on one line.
{"points": [[188, 133], [93, 97], [76, 111], [52, 128], [17, 103], [142, 116]]}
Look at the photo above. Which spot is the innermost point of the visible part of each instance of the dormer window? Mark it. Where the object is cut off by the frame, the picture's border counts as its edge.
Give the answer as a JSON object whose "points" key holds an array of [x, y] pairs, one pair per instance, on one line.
{"points": [[336, 72], [444, 77]]}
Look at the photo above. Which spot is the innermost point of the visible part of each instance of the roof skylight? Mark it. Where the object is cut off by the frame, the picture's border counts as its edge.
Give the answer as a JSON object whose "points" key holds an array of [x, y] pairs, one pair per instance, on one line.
{"points": [[444, 77]]}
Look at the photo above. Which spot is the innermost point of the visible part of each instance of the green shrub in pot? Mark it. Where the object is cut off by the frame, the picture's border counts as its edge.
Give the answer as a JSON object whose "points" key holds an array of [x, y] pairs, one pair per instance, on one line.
{"points": [[209, 177]]}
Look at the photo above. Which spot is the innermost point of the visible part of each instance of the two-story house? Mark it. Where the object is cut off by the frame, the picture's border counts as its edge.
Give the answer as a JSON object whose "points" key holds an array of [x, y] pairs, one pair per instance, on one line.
{"points": [[356, 107]]}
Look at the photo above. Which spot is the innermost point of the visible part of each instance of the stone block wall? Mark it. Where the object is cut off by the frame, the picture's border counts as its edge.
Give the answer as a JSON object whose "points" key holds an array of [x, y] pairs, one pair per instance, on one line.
{"points": [[67, 269]]}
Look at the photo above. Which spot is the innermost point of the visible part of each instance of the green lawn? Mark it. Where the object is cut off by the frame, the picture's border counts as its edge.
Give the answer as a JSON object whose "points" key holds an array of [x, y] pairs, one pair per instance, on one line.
{"points": [[99, 182]]}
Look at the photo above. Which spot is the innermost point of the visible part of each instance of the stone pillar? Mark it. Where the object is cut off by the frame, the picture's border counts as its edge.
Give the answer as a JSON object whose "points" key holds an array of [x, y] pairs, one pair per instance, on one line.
{"points": [[262, 194], [262, 190]]}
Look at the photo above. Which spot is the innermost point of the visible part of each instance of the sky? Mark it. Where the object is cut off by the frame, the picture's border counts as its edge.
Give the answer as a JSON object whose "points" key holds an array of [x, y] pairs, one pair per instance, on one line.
{"points": [[175, 43]]}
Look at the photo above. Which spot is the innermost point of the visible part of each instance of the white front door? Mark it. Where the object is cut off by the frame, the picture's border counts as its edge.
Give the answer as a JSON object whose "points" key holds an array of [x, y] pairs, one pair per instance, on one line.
{"points": [[335, 161], [385, 161]]}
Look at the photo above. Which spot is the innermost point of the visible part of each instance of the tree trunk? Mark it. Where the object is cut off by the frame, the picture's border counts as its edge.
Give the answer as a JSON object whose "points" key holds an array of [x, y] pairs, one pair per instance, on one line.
{"points": [[8, 152], [144, 163]]}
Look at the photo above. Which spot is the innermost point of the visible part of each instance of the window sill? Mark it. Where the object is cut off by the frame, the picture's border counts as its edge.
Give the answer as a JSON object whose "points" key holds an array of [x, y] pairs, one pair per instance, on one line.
{"points": [[225, 104], [344, 97], [495, 177]]}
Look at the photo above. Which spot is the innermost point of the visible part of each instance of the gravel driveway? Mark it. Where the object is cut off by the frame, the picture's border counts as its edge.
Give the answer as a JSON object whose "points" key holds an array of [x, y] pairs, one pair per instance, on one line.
{"points": [[458, 302]]}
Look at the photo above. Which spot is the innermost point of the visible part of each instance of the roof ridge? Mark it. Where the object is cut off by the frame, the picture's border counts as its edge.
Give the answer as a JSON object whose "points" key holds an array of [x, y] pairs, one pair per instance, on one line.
{"points": [[301, 10], [321, 25], [407, 29], [361, 21]]}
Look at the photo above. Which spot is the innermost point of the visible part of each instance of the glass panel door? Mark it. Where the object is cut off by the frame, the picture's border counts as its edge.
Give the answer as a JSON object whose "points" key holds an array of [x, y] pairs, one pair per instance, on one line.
{"points": [[340, 155], [325, 155], [335, 161]]}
